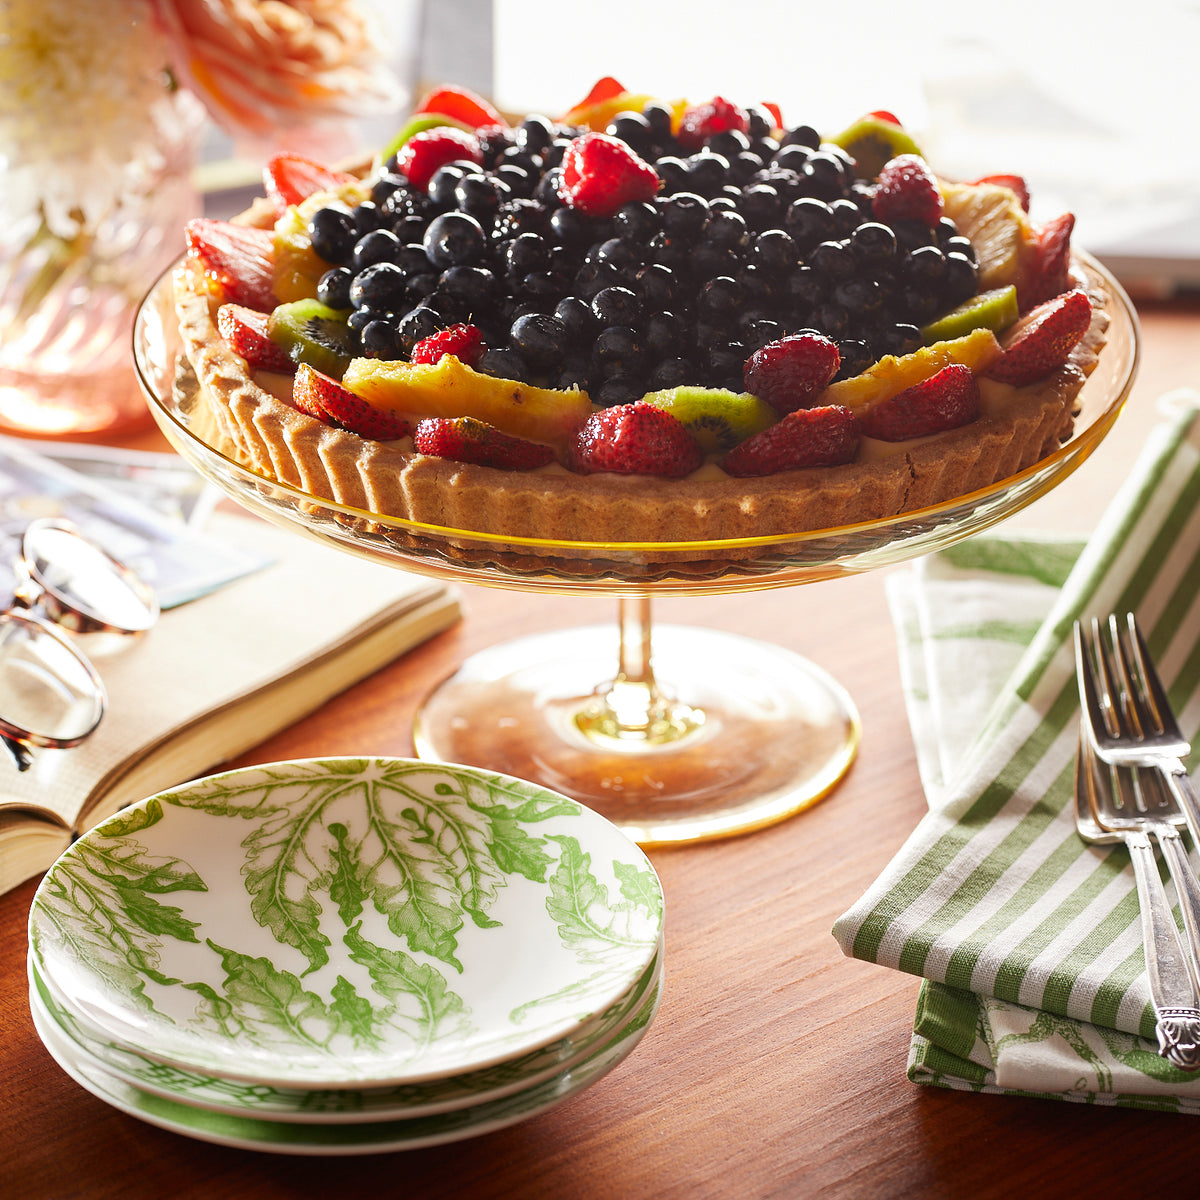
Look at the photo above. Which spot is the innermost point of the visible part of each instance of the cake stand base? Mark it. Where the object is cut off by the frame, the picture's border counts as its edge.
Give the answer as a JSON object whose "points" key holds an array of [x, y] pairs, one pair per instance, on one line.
{"points": [[742, 733]]}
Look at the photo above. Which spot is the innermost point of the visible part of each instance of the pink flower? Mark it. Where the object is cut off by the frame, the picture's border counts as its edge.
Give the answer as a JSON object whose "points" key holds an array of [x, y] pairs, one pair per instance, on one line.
{"points": [[269, 69]]}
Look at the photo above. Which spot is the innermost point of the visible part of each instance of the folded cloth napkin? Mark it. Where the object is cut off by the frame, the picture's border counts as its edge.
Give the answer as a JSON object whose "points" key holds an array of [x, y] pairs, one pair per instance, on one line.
{"points": [[1029, 940]]}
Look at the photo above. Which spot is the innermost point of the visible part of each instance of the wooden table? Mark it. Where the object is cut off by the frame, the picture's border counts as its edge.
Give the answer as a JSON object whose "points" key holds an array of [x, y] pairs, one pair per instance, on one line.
{"points": [[776, 1066]]}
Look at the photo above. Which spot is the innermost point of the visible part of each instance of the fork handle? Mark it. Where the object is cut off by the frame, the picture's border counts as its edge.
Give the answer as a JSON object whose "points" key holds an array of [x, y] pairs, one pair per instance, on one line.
{"points": [[1186, 886], [1175, 775], [1171, 987]]}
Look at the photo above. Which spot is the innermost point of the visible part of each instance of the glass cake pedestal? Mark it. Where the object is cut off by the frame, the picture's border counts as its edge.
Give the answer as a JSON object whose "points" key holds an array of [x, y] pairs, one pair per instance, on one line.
{"points": [[675, 734]]}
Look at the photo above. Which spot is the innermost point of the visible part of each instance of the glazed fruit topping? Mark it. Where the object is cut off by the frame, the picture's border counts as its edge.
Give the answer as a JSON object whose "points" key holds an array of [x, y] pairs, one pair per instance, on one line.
{"points": [[946, 400], [322, 397], [1042, 340], [809, 437], [703, 121], [600, 174], [239, 259], [465, 342], [792, 372], [1050, 274], [460, 104], [421, 156], [636, 439], [468, 440], [1014, 183], [908, 191], [245, 330], [291, 178]]}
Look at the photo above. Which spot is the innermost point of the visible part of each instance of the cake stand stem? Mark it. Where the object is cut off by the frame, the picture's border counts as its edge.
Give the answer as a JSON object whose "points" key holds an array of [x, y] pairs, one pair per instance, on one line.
{"points": [[633, 707]]}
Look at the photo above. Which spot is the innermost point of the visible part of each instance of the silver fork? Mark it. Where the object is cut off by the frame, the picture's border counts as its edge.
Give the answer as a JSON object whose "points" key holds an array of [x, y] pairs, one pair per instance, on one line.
{"points": [[1129, 717], [1173, 988]]}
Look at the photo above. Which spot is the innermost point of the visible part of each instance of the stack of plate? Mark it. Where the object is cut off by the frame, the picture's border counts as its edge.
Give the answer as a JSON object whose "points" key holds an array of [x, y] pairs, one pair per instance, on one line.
{"points": [[339, 956]]}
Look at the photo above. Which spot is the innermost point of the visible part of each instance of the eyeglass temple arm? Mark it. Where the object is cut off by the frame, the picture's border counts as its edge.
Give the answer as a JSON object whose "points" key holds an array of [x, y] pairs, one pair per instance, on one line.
{"points": [[21, 754]]}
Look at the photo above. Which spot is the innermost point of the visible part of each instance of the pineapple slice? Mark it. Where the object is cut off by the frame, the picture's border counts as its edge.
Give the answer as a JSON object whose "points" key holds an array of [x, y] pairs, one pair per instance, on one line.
{"points": [[891, 375], [999, 229], [448, 388]]}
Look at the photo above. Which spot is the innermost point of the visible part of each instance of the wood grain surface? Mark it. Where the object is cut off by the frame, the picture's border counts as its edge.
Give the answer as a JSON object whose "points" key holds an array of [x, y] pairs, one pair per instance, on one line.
{"points": [[775, 1067]]}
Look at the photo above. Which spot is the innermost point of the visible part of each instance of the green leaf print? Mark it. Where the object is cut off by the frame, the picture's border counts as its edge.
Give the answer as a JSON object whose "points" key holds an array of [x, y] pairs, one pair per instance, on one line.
{"points": [[347, 882], [640, 888], [579, 902]]}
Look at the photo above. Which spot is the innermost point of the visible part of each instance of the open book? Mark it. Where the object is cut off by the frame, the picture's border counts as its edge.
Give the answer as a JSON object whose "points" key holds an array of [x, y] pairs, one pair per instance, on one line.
{"points": [[216, 677]]}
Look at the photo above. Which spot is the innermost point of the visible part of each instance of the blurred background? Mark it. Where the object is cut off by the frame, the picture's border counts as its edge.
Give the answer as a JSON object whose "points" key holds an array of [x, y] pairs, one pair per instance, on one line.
{"points": [[1091, 102]]}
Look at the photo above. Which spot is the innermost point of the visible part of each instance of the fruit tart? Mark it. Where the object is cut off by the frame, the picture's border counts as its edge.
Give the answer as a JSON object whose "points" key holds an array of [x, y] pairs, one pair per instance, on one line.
{"points": [[639, 322]]}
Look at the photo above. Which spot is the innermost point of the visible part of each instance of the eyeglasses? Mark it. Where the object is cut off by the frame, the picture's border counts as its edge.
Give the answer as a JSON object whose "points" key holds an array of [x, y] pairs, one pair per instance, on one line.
{"points": [[50, 693]]}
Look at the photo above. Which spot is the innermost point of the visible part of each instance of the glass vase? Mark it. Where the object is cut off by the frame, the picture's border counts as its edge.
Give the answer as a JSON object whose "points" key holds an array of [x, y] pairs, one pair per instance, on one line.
{"points": [[67, 302]]}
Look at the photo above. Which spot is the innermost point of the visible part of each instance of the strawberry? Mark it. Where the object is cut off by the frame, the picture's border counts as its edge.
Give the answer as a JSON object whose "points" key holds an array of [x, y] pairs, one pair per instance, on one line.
{"points": [[290, 178], [907, 191], [700, 121], [468, 440], [465, 342], [882, 114], [605, 88], [322, 397], [792, 372], [238, 258], [945, 400], [601, 173], [1042, 340], [636, 439], [245, 330], [808, 437], [461, 104], [775, 111], [1014, 183], [424, 152], [1050, 273]]}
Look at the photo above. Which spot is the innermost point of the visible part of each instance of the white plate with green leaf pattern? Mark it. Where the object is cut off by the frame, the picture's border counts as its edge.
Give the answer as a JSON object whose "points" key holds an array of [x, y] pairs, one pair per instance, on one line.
{"points": [[335, 1105], [346, 923], [369, 1137]]}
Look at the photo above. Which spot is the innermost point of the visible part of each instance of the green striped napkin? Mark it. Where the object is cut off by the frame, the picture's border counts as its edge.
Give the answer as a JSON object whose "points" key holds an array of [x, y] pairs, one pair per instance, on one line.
{"points": [[1029, 941]]}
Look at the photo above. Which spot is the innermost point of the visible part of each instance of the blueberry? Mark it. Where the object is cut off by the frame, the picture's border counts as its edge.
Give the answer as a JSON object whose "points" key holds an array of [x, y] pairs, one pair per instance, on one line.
{"points": [[541, 340], [859, 295], [380, 340], [503, 364], [658, 286], [846, 216], [616, 306], [822, 176], [333, 288], [833, 260], [618, 252], [873, 242], [534, 134], [454, 239], [617, 350], [638, 221], [925, 265], [525, 253], [960, 279], [658, 117], [621, 388], [775, 251], [578, 319], [728, 143], [570, 227], [706, 172], [380, 245], [684, 215], [416, 325], [761, 205], [670, 373], [519, 180], [474, 286], [721, 300], [725, 228], [801, 135], [673, 172], [381, 285], [442, 184], [480, 196], [333, 234], [634, 130], [664, 335], [809, 221]]}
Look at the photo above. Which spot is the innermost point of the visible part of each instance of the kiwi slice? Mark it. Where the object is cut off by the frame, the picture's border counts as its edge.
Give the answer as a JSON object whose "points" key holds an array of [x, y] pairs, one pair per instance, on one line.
{"points": [[718, 419], [872, 142], [313, 333], [418, 124], [995, 310]]}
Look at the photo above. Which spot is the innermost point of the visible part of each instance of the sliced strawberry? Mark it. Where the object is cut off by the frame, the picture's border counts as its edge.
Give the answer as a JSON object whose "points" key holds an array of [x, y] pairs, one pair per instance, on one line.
{"points": [[944, 401], [1014, 183], [1050, 273], [601, 173], [290, 178], [461, 104], [1042, 340], [325, 398], [424, 152], [465, 342], [245, 330], [792, 372], [605, 88], [907, 191], [239, 258], [808, 437], [636, 439], [700, 121], [882, 114], [775, 111], [468, 440]]}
